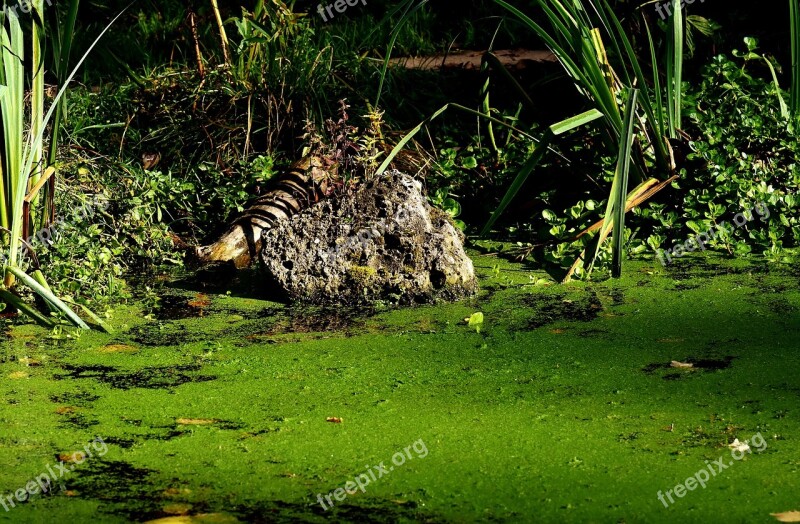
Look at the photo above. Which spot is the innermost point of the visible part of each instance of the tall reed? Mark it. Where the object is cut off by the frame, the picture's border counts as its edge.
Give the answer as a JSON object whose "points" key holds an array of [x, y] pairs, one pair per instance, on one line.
{"points": [[794, 19], [24, 169]]}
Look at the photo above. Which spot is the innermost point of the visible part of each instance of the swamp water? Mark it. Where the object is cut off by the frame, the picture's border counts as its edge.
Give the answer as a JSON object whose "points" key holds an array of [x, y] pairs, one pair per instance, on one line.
{"points": [[562, 406]]}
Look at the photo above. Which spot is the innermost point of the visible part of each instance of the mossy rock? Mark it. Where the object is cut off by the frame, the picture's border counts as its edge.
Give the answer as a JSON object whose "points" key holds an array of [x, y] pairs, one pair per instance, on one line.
{"points": [[381, 242]]}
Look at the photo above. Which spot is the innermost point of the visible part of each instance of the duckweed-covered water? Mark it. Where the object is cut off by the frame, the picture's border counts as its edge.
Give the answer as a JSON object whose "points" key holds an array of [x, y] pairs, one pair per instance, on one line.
{"points": [[562, 406]]}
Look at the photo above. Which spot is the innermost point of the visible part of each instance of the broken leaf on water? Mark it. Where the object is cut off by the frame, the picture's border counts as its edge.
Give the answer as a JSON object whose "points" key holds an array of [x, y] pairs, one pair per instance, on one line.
{"points": [[684, 365], [118, 348], [74, 457], [177, 508], [787, 516], [195, 421], [475, 320]]}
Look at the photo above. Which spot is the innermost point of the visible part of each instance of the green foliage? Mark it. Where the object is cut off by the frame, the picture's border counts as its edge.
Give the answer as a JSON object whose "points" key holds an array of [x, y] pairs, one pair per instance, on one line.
{"points": [[278, 47], [744, 156], [741, 154], [578, 33], [752, 46], [597, 53], [88, 256], [220, 136], [22, 161], [132, 233], [619, 188], [444, 201]]}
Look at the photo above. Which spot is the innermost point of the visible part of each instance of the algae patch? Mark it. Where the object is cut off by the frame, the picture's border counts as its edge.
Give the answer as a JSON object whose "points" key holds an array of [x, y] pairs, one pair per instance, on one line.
{"points": [[228, 413]]}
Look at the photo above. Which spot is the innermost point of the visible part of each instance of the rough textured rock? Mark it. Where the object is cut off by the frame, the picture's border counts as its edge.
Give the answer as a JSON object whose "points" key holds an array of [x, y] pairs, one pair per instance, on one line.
{"points": [[382, 242]]}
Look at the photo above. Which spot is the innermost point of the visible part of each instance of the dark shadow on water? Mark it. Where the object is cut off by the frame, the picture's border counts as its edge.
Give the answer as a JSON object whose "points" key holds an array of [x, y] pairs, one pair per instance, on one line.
{"points": [[242, 283], [550, 308], [154, 377], [139, 496], [711, 265], [124, 443], [126, 490], [165, 334], [75, 398], [304, 320], [668, 372], [259, 324], [193, 295], [178, 307]]}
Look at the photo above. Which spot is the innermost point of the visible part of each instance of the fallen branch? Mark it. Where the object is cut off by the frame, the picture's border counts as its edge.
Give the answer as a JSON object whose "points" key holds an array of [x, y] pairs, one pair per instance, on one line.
{"points": [[471, 60], [303, 184]]}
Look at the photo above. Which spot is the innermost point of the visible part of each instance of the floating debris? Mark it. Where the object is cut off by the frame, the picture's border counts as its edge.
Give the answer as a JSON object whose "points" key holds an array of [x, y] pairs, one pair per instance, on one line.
{"points": [[195, 421], [739, 446], [787, 516]]}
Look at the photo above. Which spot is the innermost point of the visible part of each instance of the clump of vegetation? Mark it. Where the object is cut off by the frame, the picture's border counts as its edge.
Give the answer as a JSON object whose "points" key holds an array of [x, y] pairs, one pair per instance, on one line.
{"points": [[744, 153], [179, 147]]}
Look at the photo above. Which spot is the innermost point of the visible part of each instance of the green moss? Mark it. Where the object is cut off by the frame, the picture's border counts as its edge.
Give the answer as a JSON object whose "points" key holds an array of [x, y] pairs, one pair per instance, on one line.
{"points": [[361, 275]]}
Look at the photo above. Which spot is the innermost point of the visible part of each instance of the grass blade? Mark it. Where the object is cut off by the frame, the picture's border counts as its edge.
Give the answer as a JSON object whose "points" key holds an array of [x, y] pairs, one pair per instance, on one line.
{"points": [[519, 180], [395, 33], [406, 139], [10, 298], [619, 185], [623, 167], [675, 69], [559, 128], [48, 295], [794, 18]]}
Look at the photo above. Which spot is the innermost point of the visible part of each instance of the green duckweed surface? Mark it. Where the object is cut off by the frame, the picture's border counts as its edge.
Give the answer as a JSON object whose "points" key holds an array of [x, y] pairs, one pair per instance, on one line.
{"points": [[563, 407]]}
